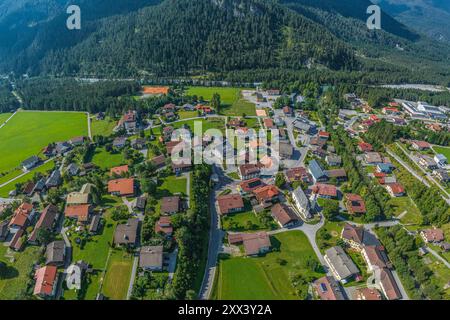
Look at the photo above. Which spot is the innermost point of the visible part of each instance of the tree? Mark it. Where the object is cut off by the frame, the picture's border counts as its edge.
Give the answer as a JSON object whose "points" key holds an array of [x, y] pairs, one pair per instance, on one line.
{"points": [[3, 269], [330, 209], [280, 180], [215, 102], [45, 236]]}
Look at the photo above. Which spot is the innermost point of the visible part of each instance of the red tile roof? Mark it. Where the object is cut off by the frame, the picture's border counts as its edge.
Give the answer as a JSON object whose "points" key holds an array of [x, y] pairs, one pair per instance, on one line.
{"points": [[324, 134], [45, 280], [327, 190], [422, 144], [396, 188], [433, 235], [119, 170], [368, 294], [21, 215], [229, 203], [164, 225], [266, 193], [365, 147], [355, 204], [80, 212], [251, 185], [123, 187]]}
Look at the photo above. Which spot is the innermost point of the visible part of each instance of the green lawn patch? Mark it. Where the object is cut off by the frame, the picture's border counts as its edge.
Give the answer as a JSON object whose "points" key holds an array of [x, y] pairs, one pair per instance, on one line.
{"points": [[329, 234], [442, 150], [240, 107], [227, 95], [265, 277], [210, 123], [402, 204], [243, 221], [28, 132], [18, 272], [187, 114], [106, 160], [102, 127], [118, 275]]}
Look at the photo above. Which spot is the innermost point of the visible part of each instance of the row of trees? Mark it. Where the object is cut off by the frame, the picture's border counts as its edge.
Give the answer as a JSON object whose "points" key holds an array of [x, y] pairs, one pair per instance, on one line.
{"points": [[416, 276]]}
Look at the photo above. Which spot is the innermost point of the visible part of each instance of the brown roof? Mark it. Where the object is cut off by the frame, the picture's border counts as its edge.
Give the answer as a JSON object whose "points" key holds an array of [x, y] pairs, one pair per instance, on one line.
{"points": [[119, 170], [122, 186], [283, 214], [80, 212], [229, 203], [388, 284], [298, 174], [421, 144], [127, 233], [325, 190], [368, 294], [170, 205], [355, 203], [353, 233], [328, 289], [158, 160], [45, 221], [377, 256], [247, 169], [164, 225], [253, 242], [17, 240], [433, 235]]}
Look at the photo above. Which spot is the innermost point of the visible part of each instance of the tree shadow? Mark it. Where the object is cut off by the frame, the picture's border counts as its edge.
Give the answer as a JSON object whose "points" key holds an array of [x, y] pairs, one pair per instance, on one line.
{"points": [[8, 272]]}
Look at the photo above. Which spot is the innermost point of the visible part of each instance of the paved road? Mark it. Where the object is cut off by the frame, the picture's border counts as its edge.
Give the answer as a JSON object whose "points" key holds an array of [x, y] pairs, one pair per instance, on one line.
{"points": [[407, 167], [437, 255], [215, 240]]}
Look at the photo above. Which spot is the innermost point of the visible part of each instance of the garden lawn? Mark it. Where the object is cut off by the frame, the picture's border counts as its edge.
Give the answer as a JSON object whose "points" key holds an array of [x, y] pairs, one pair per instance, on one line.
{"points": [[334, 229], [240, 107], [443, 150], [27, 133], [118, 275], [102, 127], [187, 114], [5, 190], [227, 95], [210, 123], [172, 185], [106, 160], [264, 277], [18, 272], [402, 204]]}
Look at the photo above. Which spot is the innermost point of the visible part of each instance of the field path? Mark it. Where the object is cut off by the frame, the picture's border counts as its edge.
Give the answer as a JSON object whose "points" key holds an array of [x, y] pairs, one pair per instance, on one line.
{"points": [[22, 174], [89, 125], [6, 121]]}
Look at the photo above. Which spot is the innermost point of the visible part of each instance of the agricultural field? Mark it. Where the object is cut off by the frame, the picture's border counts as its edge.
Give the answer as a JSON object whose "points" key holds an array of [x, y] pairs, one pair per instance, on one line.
{"points": [[17, 273], [118, 275], [266, 277], [46, 167], [28, 132]]}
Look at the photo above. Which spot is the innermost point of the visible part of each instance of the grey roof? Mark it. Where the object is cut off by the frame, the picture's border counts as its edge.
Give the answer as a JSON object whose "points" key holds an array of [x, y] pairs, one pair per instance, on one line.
{"points": [[4, 229], [334, 159], [302, 126], [286, 148], [30, 161], [316, 170], [72, 169], [127, 233], [95, 223], [54, 179], [55, 252], [341, 262], [300, 196]]}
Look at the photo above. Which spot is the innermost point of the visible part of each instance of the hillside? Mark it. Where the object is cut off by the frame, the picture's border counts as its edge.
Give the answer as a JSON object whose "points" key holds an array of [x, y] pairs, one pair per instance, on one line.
{"points": [[184, 37]]}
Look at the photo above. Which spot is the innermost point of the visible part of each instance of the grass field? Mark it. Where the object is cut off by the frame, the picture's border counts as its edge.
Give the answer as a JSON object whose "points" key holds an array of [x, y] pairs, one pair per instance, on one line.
{"points": [[215, 123], [187, 114], [28, 132], [4, 117], [102, 127], [240, 107], [403, 204], [264, 277], [443, 150], [18, 271], [4, 191], [227, 95], [118, 275], [172, 185], [106, 160], [334, 229]]}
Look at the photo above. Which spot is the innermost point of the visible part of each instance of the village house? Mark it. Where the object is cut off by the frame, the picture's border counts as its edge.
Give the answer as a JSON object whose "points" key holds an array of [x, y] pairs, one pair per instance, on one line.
{"points": [[251, 185], [353, 236], [82, 197], [302, 203], [119, 142], [440, 159], [77, 141], [387, 284], [333, 160], [373, 158], [384, 168], [432, 235], [129, 122], [342, 267], [284, 216], [46, 281], [230, 203], [95, 224], [4, 230], [22, 216], [395, 190], [286, 150], [139, 203], [121, 187], [81, 213], [420, 145], [326, 191], [317, 172], [442, 175], [126, 234], [369, 294], [151, 258], [355, 204], [72, 169], [55, 253], [236, 123], [30, 163], [164, 226], [365, 147], [138, 143], [375, 258], [323, 135], [170, 205], [54, 179], [254, 243], [327, 288], [288, 111], [17, 241], [427, 162], [158, 161], [45, 222], [249, 171], [390, 111], [338, 174], [268, 124], [267, 195], [298, 174]]}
